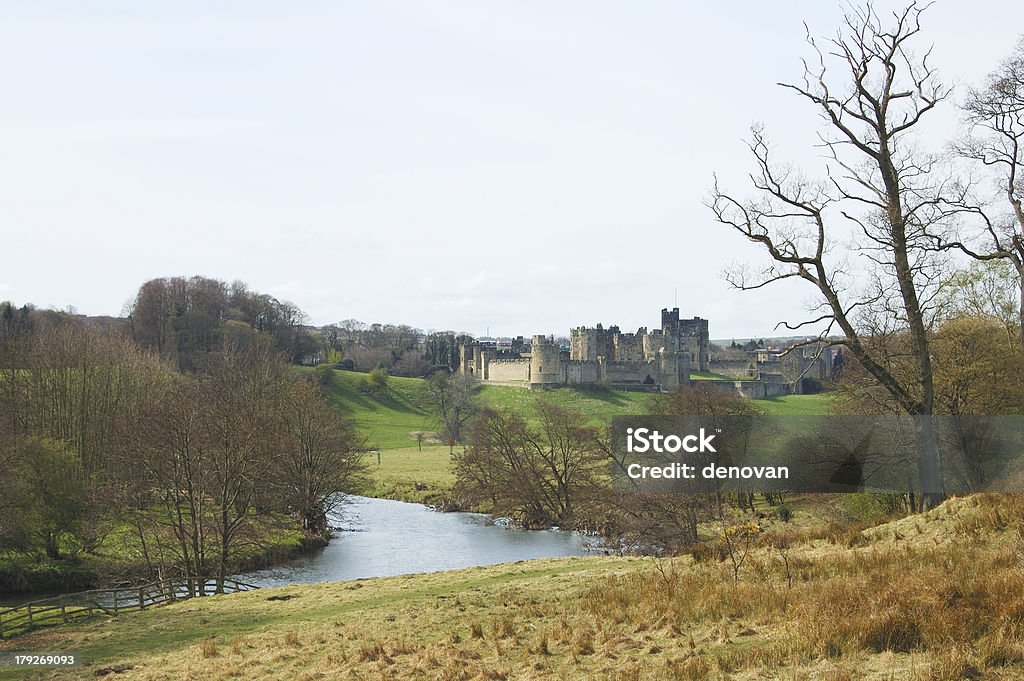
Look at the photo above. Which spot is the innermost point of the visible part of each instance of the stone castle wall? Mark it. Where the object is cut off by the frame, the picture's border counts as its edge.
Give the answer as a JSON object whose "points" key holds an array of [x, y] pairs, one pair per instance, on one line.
{"points": [[755, 390], [735, 368], [515, 370], [576, 372]]}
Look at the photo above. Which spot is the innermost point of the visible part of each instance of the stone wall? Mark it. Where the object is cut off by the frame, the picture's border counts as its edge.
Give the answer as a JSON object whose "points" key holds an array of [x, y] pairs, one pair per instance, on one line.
{"points": [[632, 372], [508, 370], [755, 390], [735, 368], [575, 372], [629, 347]]}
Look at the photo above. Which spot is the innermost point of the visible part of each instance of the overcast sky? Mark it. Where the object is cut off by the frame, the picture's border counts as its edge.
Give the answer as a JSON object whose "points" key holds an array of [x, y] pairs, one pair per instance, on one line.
{"points": [[517, 167]]}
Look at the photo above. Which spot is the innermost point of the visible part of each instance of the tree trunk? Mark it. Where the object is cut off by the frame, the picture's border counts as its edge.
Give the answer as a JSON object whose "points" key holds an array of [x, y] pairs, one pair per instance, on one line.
{"points": [[928, 470]]}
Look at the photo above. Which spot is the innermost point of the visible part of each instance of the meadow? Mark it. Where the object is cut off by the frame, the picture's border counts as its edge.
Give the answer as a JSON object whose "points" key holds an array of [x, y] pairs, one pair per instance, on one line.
{"points": [[420, 471], [931, 596]]}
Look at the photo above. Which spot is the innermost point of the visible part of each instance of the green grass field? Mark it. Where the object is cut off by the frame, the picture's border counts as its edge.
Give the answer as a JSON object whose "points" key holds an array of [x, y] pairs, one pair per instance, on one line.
{"points": [[388, 420], [797, 405], [408, 472], [411, 474], [599, 406]]}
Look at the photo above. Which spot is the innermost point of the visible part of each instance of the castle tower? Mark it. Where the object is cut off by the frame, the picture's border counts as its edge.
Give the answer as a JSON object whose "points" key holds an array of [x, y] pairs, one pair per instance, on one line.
{"points": [[669, 319], [467, 359], [485, 364], [545, 368], [583, 344], [697, 340], [668, 369]]}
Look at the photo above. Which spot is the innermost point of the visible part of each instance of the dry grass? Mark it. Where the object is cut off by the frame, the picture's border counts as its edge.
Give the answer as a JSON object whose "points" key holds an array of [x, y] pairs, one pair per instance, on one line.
{"points": [[935, 596], [209, 648]]}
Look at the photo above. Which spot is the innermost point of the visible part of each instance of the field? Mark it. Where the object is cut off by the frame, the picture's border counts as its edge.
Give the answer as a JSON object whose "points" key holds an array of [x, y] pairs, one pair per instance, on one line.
{"points": [[409, 474], [412, 471], [796, 405], [933, 596], [387, 420], [390, 420]]}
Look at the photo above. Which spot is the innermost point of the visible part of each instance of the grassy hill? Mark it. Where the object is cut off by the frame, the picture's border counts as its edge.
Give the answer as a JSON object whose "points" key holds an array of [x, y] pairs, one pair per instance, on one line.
{"points": [[933, 596], [389, 420], [411, 471]]}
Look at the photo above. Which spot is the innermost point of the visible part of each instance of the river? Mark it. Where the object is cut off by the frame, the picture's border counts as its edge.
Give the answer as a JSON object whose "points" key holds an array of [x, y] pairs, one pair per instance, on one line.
{"points": [[381, 538]]}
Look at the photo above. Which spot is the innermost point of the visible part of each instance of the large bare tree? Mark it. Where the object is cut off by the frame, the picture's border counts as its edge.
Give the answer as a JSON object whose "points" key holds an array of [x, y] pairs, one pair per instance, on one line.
{"points": [[863, 236], [995, 116]]}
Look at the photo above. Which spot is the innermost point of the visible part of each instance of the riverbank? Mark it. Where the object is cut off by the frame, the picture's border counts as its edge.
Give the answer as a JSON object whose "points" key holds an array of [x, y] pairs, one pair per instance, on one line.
{"points": [[928, 596], [120, 559], [416, 475]]}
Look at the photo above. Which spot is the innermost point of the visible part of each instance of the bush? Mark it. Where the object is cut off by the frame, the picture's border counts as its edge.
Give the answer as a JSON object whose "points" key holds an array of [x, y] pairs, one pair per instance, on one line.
{"points": [[375, 382], [324, 376]]}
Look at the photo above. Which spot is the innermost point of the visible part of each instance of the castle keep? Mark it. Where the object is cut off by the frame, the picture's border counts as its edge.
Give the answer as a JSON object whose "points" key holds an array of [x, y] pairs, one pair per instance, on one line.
{"points": [[657, 359]]}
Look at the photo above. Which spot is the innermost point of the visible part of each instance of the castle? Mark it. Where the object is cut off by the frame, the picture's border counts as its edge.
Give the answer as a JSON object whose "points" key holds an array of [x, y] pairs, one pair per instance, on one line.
{"points": [[658, 359]]}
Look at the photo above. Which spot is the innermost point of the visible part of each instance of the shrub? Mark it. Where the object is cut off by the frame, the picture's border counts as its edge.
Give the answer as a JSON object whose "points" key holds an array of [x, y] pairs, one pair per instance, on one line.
{"points": [[324, 376], [375, 382]]}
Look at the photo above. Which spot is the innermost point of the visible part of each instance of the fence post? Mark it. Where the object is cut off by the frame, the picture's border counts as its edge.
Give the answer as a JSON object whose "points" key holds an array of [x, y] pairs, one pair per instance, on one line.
{"points": [[142, 599], [64, 611], [115, 601], [29, 614]]}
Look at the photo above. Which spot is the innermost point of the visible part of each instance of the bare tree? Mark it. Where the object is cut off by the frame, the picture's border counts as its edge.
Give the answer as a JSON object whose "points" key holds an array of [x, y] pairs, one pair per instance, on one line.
{"points": [[243, 392], [169, 471], [995, 114], [880, 193], [535, 474], [454, 399], [319, 459]]}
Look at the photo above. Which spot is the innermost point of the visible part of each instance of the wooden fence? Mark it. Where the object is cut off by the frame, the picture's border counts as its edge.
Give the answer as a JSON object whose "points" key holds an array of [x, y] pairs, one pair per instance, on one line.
{"points": [[84, 604]]}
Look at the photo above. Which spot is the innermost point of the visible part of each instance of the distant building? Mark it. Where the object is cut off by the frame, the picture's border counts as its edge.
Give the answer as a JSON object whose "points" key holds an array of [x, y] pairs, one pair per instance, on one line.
{"points": [[660, 359]]}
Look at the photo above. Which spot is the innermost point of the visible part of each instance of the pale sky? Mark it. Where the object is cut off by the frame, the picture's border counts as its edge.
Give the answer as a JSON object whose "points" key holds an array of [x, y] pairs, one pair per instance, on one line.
{"points": [[522, 167]]}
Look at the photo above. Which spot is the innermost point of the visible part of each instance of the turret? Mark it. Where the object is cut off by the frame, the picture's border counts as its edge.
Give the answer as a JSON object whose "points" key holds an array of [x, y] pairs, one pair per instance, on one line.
{"points": [[545, 366]]}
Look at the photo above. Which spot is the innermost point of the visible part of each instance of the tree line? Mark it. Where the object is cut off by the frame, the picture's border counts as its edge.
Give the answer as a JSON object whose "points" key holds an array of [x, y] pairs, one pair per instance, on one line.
{"points": [[184, 319], [399, 349], [99, 435]]}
